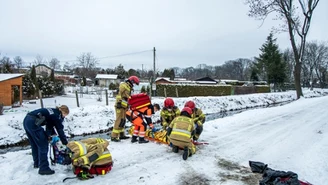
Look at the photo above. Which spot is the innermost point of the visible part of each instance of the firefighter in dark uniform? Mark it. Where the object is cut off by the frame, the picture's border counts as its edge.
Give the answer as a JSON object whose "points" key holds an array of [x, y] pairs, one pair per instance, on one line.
{"points": [[121, 106], [169, 112], [51, 118]]}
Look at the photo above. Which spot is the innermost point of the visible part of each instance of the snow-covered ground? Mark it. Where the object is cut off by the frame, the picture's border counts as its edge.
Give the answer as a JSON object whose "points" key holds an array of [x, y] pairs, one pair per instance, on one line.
{"points": [[292, 137]]}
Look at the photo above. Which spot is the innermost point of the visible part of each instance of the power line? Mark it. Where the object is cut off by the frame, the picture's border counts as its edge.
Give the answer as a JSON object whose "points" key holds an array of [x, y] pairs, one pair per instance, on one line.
{"points": [[121, 55]]}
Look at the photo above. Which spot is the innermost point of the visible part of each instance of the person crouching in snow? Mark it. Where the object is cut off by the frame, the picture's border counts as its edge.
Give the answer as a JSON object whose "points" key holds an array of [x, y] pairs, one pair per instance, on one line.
{"points": [[89, 153], [198, 117], [169, 112], [51, 118], [140, 118], [180, 132]]}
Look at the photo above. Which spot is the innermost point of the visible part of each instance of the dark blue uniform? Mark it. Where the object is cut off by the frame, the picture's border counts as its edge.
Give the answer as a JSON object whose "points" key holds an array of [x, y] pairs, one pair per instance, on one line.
{"points": [[38, 136]]}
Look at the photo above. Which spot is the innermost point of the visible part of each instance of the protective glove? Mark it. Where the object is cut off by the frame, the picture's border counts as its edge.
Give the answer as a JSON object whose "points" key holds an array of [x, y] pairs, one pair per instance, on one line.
{"points": [[169, 130], [199, 123], [54, 140], [164, 124], [84, 174], [119, 105]]}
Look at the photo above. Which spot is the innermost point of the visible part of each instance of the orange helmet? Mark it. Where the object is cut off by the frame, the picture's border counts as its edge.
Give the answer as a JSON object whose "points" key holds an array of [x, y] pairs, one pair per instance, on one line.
{"points": [[168, 102], [190, 104], [134, 79], [187, 110]]}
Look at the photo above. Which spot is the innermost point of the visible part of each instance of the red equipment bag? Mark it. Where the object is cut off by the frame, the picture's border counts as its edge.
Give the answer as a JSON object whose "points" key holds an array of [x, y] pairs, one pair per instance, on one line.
{"points": [[138, 101], [98, 170]]}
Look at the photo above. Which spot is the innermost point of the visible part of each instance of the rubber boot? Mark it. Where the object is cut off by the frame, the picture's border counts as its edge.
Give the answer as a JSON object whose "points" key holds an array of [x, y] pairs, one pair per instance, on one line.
{"points": [[115, 139], [46, 172], [185, 153], [175, 149], [123, 136], [142, 140], [134, 139]]}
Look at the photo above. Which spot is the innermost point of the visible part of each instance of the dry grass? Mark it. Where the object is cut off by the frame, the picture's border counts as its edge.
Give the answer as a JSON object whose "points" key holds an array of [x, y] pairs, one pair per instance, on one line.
{"points": [[236, 172], [194, 178]]}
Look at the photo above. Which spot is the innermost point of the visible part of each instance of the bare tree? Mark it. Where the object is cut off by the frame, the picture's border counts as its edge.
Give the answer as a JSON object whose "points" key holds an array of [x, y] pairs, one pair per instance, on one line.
{"points": [[290, 61], [18, 62], [316, 62], [38, 60], [87, 65], [54, 63], [298, 24], [87, 60], [6, 65]]}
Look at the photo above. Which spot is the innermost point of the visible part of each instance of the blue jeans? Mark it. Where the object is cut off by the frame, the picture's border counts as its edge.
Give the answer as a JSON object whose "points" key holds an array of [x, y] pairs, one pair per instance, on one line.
{"points": [[38, 141]]}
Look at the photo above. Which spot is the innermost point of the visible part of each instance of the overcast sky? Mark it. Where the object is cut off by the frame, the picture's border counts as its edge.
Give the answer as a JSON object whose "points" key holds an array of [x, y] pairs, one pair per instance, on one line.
{"points": [[184, 32]]}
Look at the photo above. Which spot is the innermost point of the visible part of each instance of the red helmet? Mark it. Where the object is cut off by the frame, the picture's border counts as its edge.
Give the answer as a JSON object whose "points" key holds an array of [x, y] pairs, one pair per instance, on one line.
{"points": [[187, 109], [190, 104], [134, 79], [168, 102]]}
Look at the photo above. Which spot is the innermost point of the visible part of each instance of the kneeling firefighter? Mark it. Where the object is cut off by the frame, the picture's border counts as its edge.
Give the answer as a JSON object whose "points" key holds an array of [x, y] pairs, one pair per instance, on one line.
{"points": [[198, 117], [90, 156], [181, 131]]}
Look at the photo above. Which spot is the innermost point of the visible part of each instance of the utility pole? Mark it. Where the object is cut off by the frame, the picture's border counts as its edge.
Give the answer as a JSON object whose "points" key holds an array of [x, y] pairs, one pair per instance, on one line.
{"points": [[154, 75], [142, 71]]}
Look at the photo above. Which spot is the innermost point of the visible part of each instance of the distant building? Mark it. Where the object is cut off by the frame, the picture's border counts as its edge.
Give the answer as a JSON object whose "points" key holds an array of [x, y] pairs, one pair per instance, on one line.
{"points": [[206, 80], [166, 80], [42, 70], [105, 80]]}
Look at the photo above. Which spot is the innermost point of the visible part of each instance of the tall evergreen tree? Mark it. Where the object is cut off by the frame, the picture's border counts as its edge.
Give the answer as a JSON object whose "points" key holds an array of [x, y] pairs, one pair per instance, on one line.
{"points": [[52, 75], [270, 62]]}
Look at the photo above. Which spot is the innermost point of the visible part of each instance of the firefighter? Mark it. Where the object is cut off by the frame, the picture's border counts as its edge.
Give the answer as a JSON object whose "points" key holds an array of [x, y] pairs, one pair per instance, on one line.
{"points": [[169, 112], [180, 132], [137, 117], [121, 107], [38, 137], [89, 152], [198, 117]]}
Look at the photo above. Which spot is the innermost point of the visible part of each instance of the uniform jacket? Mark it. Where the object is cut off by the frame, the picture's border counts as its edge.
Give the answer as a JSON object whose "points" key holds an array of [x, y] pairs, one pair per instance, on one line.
{"points": [[167, 116], [198, 117], [140, 115], [53, 119], [124, 93], [91, 151], [181, 129]]}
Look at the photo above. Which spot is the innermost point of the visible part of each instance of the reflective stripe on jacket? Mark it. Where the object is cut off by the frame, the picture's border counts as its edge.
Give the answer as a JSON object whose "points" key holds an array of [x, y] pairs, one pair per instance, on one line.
{"points": [[182, 128], [124, 92]]}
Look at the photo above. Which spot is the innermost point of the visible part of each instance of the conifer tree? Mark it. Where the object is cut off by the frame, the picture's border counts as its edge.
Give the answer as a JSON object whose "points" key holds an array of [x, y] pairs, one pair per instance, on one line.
{"points": [[52, 75], [270, 63]]}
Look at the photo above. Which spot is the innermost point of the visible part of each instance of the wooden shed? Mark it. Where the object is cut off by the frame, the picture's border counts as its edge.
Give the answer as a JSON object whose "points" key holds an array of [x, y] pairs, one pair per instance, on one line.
{"points": [[11, 89]]}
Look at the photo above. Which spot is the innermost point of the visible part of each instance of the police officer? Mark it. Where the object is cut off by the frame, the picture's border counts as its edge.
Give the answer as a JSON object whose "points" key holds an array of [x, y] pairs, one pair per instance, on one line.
{"points": [[51, 118]]}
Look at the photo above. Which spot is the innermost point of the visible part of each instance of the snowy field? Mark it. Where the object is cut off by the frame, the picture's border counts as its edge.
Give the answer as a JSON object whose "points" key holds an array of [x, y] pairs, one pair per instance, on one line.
{"points": [[292, 137]]}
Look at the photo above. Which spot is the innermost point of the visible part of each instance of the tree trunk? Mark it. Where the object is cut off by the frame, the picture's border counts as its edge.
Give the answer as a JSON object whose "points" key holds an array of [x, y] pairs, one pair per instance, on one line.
{"points": [[298, 64], [297, 76]]}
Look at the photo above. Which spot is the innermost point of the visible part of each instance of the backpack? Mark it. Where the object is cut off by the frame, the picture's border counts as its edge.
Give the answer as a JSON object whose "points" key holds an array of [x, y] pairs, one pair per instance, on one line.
{"points": [[59, 155], [138, 101]]}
